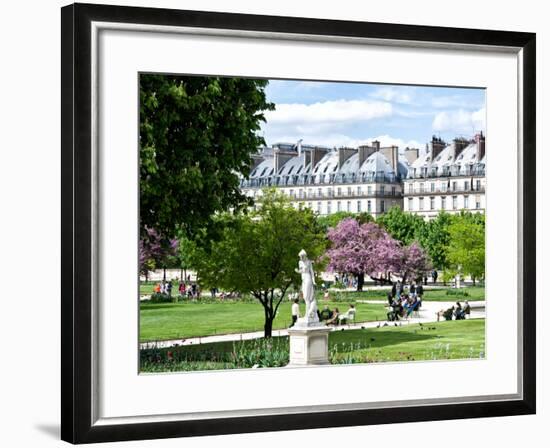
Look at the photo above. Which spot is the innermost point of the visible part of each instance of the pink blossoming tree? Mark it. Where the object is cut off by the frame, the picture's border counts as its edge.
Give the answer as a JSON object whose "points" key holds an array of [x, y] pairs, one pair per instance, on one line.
{"points": [[367, 249], [155, 251], [362, 249], [414, 263]]}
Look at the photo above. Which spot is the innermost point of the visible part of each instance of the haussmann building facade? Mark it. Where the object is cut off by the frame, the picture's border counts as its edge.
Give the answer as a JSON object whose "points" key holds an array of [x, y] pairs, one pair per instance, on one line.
{"points": [[372, 178]]}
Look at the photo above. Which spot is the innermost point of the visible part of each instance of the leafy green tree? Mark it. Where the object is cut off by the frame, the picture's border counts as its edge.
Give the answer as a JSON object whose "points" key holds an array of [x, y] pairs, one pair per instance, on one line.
{"points": [[196, 135], [401, 225], [258, 252], [184, 256], [466, 250], [434, 238], [331, 221]]}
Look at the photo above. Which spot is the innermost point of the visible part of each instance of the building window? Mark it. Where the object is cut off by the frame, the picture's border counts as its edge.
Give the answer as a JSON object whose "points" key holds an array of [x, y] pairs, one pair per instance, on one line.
{"points": [[443, 203], [358, 190], [348, 206], [454, 186], [478, 184], [330, 192], [432, 203], [411, 188], [369, 206], [466, 202], [319, 207], [443, 187], [369, 190], [301, 193], [338, 206], [478, 202], [466, 185], [339, 191], [410, 202], [349, 192], [421, 187], [358, 206], [393, 191], [291, 193], [382, 206], [382, 190], [420, 203], [319, 192], [329, 207], [455, 202], [432, 187]]}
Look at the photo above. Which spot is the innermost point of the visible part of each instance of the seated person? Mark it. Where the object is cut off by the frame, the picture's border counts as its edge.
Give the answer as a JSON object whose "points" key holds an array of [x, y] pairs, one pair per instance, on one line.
{"points": [[326, 314], [459, 312], [334, 318], [396, 311], [413, 304], [448, 314], [349, 315]]}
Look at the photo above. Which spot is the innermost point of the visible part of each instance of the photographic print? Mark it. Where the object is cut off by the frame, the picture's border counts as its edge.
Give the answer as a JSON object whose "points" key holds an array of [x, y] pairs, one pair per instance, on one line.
{"points": [[302, 223], [237, 213]]}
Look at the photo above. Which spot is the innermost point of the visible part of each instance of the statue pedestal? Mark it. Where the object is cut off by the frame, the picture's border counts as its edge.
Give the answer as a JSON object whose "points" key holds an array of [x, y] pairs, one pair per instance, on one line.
{"points": [[308, 344]]}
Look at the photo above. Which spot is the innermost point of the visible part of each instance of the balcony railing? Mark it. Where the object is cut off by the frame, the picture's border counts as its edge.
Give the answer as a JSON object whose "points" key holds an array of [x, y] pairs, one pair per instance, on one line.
{"points": [[353, 195], [450, 190], [315, 179], [430, 173]]}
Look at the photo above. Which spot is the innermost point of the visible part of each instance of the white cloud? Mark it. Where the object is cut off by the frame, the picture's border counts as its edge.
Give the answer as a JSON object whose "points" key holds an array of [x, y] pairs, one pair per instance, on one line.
{"points": [[328, 112], [453, 101], [460, 121], [393, 95]]}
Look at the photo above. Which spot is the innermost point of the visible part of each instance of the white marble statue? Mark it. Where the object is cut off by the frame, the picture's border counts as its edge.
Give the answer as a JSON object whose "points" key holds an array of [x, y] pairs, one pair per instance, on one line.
{"points": [[308, 291]]}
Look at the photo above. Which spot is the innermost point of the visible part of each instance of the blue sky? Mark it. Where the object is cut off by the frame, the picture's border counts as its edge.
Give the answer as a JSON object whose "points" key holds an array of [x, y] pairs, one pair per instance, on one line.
{"points": [[349, 114]]}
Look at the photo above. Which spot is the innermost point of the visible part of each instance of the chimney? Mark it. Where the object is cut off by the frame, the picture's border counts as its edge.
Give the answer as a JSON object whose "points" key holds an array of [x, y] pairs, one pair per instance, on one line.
{"points": [[480, 141], [376, 145], [281, 157], [316, 155], [438, 145], [365, 152], [460, 144], [392, 154], [411, 154], [344, 154], [256, 160]]}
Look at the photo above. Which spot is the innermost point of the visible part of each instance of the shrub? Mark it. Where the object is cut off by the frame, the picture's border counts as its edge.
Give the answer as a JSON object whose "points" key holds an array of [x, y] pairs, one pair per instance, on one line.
{"points": [[457, 292]]}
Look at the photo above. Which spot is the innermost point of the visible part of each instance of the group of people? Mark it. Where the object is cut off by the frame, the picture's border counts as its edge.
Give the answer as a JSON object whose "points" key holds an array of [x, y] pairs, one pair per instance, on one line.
{"points": [[190, 289], [349, 281], [403, 300], [457, 312], [330, 317]]}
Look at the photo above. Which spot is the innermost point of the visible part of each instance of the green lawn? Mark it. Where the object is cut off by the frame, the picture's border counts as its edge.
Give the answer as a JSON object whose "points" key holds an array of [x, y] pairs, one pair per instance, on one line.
{"points": [[161, 321], [439, 295], [436, 341]]}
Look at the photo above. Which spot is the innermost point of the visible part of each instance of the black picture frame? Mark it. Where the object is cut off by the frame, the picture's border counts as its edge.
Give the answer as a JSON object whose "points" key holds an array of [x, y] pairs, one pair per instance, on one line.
{"points": [[76, 232]]}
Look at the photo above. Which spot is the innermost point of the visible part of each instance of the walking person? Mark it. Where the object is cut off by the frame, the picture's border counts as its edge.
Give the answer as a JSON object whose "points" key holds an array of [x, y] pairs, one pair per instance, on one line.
{"points": [[295, 311]]}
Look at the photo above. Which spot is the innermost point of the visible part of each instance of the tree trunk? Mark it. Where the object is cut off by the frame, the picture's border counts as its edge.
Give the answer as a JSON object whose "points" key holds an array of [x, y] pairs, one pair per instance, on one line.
{"points": [[164, 274], [268, 327], [181, 275], [360, 282], [473, 280]]}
